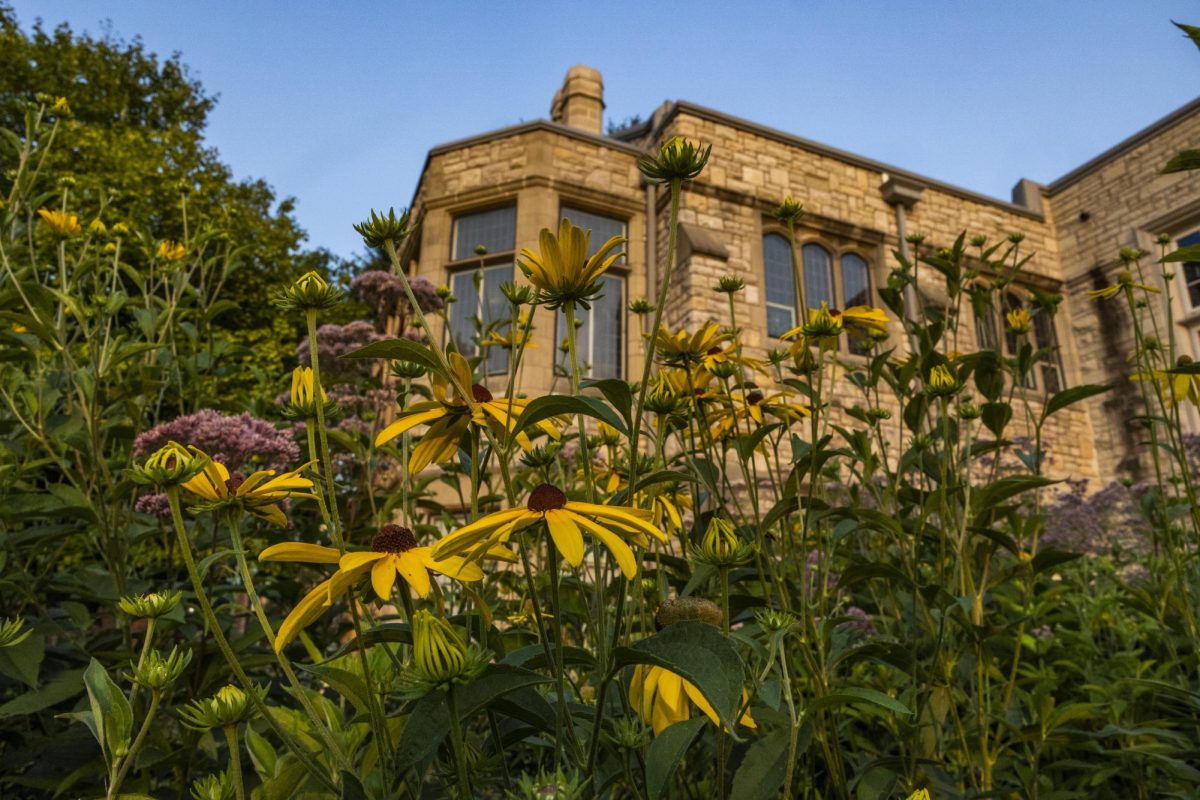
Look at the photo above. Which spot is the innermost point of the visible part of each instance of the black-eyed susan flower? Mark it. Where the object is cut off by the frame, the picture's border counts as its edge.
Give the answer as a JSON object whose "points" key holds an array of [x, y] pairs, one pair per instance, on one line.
{"points": [[684, 349], [566, 520], [521, 337], [662, 698], [302, 402], [746, 410], [61, 222], [449, 415], [1124, 281], [259, 493], [562, 271], [169, 250], [941, 381], [393, 551], [1178, 387], [1019, 320]]}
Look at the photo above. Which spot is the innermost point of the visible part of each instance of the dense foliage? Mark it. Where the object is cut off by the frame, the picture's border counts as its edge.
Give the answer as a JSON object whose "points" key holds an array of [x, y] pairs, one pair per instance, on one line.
{"points": [[401, 578]]}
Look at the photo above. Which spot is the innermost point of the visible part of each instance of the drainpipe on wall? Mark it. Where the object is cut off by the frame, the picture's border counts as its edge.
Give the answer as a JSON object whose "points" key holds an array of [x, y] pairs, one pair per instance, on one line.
{"points": [[651, 243], [902, 195]]}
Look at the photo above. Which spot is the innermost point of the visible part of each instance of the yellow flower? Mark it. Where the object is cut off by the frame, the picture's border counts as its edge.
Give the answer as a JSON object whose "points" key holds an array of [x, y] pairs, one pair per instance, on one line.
{"points": [[61, 222], [393, 552], [61, 106], [942, 380], [663, 698], [565, 519], [688, 349], [1019, 320], [562, 271], [97, 227], [822, 324], [865, 320], [19, 328], [1124, 281], [171, 251], [302, 392], [522, 337], [259, 493], [1177, 386], [919, 794], [744, 410], [449, 415]]}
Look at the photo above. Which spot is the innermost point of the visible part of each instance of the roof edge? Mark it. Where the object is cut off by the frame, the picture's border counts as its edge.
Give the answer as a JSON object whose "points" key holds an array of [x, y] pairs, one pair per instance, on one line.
{"points": [[684, 106], [1124, 146]]}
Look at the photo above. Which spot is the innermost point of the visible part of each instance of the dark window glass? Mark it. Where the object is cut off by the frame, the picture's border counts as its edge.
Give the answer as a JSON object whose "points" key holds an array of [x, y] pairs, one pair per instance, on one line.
{"points": [[818, 276], [599, 338], [1191, 271], [856, 289], [780, 285], [603, 228], [495, 229], [480, 300]]}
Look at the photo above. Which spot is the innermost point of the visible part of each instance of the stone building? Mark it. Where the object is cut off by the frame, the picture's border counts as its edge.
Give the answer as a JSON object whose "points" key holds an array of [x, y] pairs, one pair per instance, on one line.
{"points": [[499, 189]]}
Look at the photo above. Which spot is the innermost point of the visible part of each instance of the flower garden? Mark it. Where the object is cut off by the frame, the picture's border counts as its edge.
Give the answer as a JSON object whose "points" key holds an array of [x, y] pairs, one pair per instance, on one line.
{"points": [[373, 571]]}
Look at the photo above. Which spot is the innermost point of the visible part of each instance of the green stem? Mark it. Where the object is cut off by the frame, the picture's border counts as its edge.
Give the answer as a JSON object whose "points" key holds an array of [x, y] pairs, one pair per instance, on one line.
{"points": [[235, 762], [133, 695], [135, 748], [664, 287], [456, 741], [210, 619]]}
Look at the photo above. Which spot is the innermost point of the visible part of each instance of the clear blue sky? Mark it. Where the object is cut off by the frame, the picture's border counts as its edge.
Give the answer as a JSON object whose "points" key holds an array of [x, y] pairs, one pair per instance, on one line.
{"points": [[336, 104]]}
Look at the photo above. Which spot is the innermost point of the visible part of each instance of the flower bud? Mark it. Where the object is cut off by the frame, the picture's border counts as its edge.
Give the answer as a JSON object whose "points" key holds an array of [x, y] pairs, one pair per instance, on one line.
{"points": [[789, 211], [517, 294], [721, 546], [61, 107], [310, 292], [409, 370], [439, 654], [772, 620], [821, 323], [677, 160], [941, 381], [229, 706], [1129, 255], [730, 284], [380, 229], [213, 787], [978, 240], [303, 397], [640, 305], [724, 369], [1016, 238], [13, 632], [152, 605], [157, 672], [169, 465], [97, 227], [969, 410]]}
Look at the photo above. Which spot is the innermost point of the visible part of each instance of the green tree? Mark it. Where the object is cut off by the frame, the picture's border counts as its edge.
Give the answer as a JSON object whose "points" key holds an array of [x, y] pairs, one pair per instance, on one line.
{"points": [[134, 143]]}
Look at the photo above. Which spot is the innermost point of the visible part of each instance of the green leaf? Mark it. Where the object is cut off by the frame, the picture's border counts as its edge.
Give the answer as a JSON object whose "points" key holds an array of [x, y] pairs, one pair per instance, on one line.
{"points": [[554, 405], [429, 721], [1050, 558], [534, 657], [1184, 161], [110, 709], [62, 687], [400, 350], [345, 683], [996, 417], [855, 696], [23, 661], [617, 392], [1185, 369], [666, 751], [1192, 31], [700, 654], [1073, 395], [994, 493], [1189, 253], [764, 768]]}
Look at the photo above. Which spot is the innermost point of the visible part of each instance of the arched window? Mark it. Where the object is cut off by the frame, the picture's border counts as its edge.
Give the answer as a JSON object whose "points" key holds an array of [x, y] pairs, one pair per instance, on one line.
{"points": [[856, 289], [818, 276], [781, 285]]}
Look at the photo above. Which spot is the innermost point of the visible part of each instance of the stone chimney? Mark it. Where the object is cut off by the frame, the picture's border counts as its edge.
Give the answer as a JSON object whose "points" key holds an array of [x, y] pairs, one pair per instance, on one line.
{"points": [[579, 102]]}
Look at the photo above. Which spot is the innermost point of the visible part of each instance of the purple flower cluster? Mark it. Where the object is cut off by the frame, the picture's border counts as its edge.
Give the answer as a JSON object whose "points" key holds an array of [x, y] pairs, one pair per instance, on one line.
{"points": [[234, 441], [333, 342], [1106, 523], [384, 292]]}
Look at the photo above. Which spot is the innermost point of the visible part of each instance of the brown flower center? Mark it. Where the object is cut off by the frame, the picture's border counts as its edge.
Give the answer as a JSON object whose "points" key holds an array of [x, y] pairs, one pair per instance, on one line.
{"points": [[481, 394], [393, 538], [712, 351], [546, 498], [235, 481], [754, 398]]}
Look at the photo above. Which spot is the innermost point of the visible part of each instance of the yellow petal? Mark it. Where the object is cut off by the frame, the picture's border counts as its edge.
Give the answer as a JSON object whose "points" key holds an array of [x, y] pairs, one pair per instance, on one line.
{"points": [[301, 552], [566, 535], [411, 567], [354, 562], [405, 423], [466, 537], [620, 550], [383, 575]]}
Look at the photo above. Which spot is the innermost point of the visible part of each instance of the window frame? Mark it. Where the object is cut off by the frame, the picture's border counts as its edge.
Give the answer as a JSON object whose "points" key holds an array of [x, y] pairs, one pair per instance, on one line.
{"points": [[996, 326], [472, 263]]}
